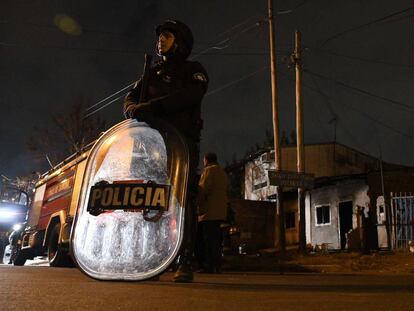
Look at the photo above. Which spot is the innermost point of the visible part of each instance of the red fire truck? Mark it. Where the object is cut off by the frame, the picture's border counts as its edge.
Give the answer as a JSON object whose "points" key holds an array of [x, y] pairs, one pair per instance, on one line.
{"points": [[49, 220]]}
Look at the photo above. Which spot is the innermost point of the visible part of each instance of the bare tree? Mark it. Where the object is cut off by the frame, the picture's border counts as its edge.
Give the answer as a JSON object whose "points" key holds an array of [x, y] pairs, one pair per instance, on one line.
{"points": [[77, 130], [45, 144], [68, 133]]}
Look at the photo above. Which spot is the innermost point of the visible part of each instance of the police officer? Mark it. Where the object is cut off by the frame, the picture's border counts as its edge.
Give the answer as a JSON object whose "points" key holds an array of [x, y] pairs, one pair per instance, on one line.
{"points": [[174, 92]]}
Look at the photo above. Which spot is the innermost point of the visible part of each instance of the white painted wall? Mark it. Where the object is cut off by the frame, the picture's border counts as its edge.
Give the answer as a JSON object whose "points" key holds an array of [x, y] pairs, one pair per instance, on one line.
{"points": [[350, 190]]}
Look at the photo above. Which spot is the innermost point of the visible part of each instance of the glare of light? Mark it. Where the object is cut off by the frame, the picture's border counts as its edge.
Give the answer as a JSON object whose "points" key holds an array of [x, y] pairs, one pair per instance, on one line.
{"points": [[17, 227], [156, 155], [111, 140], [67, 24], [7, 214]]}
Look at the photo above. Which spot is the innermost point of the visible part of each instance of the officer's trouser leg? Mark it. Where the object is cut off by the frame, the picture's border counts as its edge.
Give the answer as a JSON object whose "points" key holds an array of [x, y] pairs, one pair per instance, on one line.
{"points": [[184, 272]]}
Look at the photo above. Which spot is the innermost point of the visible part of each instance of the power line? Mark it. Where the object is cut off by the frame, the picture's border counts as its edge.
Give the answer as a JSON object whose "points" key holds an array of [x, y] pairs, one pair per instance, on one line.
{"points": [[94, 31], [329, 105], [225, 43], [236, 81], [283, 12], [102, 107], [227, 40], [328, 101], [381, 62], [365, 115], [364, 25], [207, 94], [392, 101], [381, 123], [229, 30], [7, 44], [321, 123], [399, 19], [221, 45], [53, 27], [110, 96]]}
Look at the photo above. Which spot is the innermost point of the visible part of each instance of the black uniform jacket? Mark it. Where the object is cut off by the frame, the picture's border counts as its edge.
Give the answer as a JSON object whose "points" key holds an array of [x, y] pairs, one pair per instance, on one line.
{"points": [[175, 90]]}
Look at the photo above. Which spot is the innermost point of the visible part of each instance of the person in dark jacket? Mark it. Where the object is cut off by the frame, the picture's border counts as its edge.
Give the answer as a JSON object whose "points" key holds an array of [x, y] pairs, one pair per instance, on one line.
{"points": [[174, 93]]}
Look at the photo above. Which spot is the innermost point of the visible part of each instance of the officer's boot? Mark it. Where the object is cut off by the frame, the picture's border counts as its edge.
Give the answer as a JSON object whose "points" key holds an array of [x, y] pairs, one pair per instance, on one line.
{"points": [[184, 273]]}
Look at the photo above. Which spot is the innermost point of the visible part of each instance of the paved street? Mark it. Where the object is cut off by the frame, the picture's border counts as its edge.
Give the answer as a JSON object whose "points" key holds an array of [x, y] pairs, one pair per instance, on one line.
{"points": [[44, 288]]}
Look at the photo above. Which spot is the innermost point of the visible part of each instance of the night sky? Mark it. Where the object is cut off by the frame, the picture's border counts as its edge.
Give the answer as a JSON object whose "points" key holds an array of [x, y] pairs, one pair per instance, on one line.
{"points": [[357, 59]]}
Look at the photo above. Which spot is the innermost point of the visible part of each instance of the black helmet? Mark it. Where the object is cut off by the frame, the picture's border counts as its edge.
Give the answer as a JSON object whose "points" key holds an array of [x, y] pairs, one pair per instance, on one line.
{"points": [[183, 36]]}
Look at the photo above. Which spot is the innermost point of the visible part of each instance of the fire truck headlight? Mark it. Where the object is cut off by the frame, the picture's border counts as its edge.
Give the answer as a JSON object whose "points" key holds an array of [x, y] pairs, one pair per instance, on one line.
{"points": [[7, 214]]}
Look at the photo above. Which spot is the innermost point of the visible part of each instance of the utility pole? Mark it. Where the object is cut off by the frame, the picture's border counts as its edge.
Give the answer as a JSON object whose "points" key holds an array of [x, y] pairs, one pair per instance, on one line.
{"points": [[299, 140], [388, 221], [280, 242]]}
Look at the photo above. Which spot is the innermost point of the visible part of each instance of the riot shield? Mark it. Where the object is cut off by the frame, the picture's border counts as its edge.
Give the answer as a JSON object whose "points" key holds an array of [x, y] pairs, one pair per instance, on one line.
{"points": [[130, 218]]}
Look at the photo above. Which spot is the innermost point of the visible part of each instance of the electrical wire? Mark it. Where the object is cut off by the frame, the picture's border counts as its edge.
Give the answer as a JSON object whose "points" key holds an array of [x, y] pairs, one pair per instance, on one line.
{"points": [[321, 123], [359, 90], [236, 81], [283, 12], [364, 25], [207, 94], [93, 31], [328, 101], [110, 96], [225, 43], [399, 19], [381, 62], [68, 48], [130, 51], [53, 27], [218, 46], [227, 40], [365, 115], [381, 123], [229, 30], [102, 107]]}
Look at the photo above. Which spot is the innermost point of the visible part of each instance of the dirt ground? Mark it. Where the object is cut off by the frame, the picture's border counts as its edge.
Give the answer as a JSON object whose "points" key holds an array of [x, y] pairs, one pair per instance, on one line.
{"points": [[339, 262]]}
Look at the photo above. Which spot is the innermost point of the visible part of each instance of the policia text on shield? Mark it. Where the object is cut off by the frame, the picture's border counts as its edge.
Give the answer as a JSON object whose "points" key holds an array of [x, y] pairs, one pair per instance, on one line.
{"points": [[129, 196]]}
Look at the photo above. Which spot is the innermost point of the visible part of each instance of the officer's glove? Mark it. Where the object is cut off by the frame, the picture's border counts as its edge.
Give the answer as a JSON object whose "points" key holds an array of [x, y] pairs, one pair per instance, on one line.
{"points": [[143, 111]]}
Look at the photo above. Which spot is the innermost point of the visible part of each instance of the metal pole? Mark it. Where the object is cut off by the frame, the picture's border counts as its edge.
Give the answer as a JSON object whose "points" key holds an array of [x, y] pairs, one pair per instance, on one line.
{"points": [[299, 141], [280, 241], [388, 221]]}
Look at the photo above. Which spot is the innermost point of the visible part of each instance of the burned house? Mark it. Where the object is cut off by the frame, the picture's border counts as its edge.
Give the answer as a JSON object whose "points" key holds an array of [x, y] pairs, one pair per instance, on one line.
{"points": [[341, 210]]}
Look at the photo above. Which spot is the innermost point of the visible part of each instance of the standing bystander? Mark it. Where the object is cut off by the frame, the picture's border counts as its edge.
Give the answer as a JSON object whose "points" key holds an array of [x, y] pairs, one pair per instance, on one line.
{"points": [[212, 212]]}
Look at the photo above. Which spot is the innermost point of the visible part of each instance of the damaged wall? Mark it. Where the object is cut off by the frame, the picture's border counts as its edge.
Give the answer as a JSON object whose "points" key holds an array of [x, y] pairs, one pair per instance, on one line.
{"points": [[322, 160], [334, 196]]}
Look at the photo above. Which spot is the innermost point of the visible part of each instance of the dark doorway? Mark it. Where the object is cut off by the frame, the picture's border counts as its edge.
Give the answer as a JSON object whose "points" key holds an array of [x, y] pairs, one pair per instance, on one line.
{"points": [[345, 220]]}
